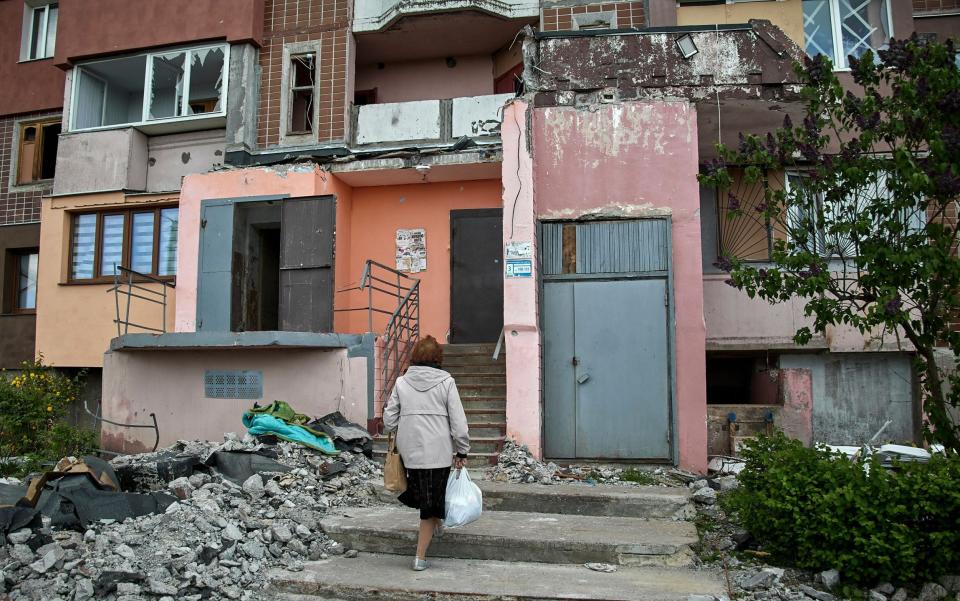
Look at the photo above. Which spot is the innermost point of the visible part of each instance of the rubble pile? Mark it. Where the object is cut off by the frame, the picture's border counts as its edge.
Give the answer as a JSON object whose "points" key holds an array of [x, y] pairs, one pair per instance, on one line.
{"points": [[517, 464], [216, 541]]}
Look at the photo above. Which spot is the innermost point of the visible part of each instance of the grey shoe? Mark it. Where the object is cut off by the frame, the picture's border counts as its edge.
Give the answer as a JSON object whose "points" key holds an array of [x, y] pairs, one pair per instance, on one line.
{"points": [[419, 565]]}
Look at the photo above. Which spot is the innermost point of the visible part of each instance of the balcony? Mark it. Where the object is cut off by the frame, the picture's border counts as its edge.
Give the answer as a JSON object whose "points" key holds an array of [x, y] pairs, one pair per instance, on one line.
{"points": [[429, 122], [374, 15]]}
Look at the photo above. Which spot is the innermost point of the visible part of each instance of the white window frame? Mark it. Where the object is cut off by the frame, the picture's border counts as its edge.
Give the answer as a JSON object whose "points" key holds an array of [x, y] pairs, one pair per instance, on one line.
{"points": [[26, 38], [287, 137], [145, 120], [840, 62]]}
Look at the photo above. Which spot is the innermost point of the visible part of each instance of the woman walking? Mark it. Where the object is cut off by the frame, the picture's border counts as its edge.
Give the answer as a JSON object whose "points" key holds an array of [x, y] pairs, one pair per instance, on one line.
{"points": [[426, 411]]}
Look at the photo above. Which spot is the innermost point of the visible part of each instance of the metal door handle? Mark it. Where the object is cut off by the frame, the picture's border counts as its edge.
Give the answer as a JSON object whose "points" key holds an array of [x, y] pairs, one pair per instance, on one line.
{"points": [[582, 378]]}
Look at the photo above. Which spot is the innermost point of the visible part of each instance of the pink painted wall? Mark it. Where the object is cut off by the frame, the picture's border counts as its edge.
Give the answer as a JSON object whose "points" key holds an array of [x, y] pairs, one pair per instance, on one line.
{"points": [[170, 384], [736, 322], [796, 416], [428, 79], [379, 211], [295, 180], [636, 159], [520, 311]]}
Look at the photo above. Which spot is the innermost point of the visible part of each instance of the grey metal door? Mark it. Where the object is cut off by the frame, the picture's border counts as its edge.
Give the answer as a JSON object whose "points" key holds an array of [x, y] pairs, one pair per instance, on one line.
{"points": [[216, 261], [306, 264], [607, 358]]}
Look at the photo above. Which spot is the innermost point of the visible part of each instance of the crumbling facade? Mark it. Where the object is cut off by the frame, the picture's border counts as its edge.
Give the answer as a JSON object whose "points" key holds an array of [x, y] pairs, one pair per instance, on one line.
{"points": [[312, 184]]}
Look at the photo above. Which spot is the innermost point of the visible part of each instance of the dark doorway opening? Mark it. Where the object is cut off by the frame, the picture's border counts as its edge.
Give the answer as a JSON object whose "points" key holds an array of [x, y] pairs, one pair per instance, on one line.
{"points": [[476, 280], [270, 279], [743, 379]]}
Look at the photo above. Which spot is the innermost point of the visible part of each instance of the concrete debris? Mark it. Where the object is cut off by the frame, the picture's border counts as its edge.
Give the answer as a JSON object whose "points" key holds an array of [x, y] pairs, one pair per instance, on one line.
{"points": [[601, 567], [726, 465], [830, 578], [932, 592], [875, 596], [900, 595], [517, 464], [761, 579], [815, 594], [705, 496], [951, 582], [217, 542]]}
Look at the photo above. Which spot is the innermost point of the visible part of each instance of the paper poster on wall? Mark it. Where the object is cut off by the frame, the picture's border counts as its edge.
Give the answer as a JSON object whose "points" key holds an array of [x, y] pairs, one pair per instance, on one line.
{"points": [[412, 250], [518, 250]]}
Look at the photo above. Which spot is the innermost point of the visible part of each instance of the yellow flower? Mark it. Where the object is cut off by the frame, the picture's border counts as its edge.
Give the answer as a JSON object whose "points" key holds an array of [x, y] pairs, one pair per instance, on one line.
{"points": [[49, 408]]}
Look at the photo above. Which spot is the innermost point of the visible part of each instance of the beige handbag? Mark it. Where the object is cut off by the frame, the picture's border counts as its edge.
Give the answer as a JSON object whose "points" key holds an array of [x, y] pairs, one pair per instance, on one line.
{"points": [[394, 474]]}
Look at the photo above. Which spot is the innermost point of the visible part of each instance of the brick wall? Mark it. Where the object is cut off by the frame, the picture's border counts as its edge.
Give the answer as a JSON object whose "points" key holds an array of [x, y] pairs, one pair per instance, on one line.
{"points": [[21, 204], [935, 6], [629, 14], [290, 21]]}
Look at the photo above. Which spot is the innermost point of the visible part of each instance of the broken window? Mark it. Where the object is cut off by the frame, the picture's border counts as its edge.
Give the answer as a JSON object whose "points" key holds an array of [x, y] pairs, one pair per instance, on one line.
{"points": [[302, 75], [40, 30], [145, 240], [842, 28], [179, 84], [37, 155]]}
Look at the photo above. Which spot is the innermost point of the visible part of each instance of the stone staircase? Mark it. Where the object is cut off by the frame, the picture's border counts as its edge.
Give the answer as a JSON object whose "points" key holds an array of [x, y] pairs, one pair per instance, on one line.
{"points": [[530, 544], [482, 382]]}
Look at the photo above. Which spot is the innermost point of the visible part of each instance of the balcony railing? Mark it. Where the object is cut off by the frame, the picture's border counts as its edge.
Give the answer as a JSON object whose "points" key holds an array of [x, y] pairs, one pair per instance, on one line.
{"points": [[373, 15], [429, 121]]}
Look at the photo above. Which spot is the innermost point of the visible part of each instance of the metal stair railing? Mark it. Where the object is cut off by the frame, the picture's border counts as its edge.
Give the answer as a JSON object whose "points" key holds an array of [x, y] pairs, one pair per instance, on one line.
{"points": [[401, 295], [132, 284]]}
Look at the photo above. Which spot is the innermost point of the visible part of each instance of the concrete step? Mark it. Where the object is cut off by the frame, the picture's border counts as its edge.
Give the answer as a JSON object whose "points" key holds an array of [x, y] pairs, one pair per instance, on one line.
{"points": [[388, 577], [482, 390], [456, 350], [476, 459], [650, 502], [485, 379], [485, 416], [478, 444], [483, 403], [472, 359], [513, 536], [458, 371]]}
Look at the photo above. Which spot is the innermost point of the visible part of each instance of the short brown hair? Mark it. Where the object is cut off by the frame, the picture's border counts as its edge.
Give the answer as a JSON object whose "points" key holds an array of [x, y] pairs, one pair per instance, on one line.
{"points": [[427, 351]]}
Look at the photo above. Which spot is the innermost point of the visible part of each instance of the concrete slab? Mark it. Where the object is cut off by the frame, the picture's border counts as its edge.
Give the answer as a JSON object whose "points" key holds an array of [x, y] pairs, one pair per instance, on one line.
{"points": [[514, 536], [651, 502], [389, 578]]}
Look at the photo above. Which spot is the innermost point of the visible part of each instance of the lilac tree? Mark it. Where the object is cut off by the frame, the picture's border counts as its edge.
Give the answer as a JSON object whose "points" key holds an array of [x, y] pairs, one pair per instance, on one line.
{"points": [[865, 229]]}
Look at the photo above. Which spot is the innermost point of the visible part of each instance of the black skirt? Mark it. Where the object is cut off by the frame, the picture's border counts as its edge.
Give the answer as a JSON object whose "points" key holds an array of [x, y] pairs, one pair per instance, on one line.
{"points": [[427, 491]]}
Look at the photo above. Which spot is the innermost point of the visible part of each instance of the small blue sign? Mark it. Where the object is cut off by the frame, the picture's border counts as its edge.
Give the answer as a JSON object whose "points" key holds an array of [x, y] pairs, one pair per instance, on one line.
{"points": [[519, 268]]}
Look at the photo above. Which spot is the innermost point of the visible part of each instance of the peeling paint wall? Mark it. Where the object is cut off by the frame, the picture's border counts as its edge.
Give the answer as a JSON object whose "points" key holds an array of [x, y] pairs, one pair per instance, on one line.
{"points": [[635, 159], [855, 393]]}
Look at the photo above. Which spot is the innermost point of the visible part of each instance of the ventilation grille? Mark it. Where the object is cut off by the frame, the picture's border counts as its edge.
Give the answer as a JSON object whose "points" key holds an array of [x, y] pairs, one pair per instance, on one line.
{"points": [[240, 384]]}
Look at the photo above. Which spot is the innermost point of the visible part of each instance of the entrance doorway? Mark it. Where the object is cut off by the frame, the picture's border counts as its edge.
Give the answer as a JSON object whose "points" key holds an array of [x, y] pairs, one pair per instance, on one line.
{"points": [[606, 340], [476, 275]]}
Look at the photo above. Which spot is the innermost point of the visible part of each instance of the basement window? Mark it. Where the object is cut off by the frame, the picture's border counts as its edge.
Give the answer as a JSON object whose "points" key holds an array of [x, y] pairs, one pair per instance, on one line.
{"points": [[37, 151], [149, 88], [303, 71], [743, 379]]}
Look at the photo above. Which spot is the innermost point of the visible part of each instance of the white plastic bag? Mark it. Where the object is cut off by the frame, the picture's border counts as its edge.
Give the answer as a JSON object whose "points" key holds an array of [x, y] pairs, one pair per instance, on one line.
{"points": [[464, 499]]}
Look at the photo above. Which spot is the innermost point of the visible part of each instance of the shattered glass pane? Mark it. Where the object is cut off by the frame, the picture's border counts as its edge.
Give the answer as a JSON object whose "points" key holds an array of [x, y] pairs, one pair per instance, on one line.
{"points": [[301, 113], [166, 89], [302, 78], [206, 80]]}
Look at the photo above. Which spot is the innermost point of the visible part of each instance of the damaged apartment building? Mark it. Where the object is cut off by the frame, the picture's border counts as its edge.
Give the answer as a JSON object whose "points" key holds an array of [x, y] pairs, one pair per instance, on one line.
{"points": [[291, 192]]}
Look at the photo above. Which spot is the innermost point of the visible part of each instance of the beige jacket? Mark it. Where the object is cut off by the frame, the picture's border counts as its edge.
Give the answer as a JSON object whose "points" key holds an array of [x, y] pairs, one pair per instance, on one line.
{"points": [[426, 411]]}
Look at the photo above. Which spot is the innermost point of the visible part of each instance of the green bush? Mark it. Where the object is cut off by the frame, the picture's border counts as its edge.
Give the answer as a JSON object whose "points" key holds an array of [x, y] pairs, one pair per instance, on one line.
{"points": [[33, 407], [816, 510]]}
